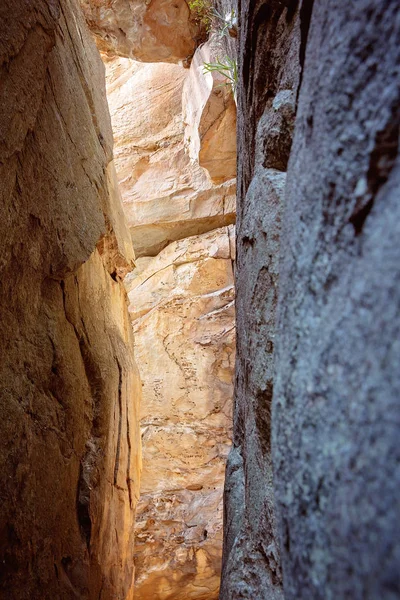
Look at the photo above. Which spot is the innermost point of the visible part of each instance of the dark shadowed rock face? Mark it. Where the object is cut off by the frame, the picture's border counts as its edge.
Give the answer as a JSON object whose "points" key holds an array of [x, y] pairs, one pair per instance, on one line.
{"points": [[336, 392], [69, 439], [336, 416], [268, 63]]}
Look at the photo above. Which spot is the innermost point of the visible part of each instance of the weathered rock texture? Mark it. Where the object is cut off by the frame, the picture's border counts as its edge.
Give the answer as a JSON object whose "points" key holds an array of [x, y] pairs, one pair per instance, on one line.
{"points": [[69, 385], [182, 309], [154, 31], [335, 425], [182, 306], [209, 114], [269, 73], [336, 405], [167, 196]]}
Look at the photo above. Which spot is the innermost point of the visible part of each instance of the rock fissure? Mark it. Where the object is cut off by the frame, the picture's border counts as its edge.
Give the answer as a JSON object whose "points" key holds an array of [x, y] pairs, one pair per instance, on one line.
{"points": [[119, 419], [180, 224]]}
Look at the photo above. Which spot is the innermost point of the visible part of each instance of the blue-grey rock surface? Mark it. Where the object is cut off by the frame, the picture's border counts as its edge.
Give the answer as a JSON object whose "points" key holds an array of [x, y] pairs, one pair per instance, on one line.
{"points": [[336, 405], [266, 107], [328, 528]]}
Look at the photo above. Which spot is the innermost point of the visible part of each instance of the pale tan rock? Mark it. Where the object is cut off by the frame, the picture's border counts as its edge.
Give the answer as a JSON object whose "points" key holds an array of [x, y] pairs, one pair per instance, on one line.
{"points": [[166, 195], [109, 479], [140, 264], [209, 114], [69, 387], [182, 309], [116, 245], [182, 306], [154, 31]]}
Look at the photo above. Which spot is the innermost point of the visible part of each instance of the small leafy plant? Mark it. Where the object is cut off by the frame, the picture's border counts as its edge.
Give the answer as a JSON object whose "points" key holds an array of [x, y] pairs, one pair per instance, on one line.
{"points": [[228, 23], [228, 69]]}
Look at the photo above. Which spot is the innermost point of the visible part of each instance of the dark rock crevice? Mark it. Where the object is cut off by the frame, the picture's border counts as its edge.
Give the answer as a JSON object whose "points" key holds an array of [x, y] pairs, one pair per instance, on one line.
{"points": [[269, 66]]}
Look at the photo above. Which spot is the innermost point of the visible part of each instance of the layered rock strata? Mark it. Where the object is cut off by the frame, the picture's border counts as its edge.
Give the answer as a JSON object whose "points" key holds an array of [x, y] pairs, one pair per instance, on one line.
{"points": [[70, 443], [166, 194], [182, 309]]}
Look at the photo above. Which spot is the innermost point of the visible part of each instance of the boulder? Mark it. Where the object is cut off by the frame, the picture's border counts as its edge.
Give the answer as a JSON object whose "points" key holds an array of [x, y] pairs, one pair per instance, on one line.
{"points": [[155, 31]]}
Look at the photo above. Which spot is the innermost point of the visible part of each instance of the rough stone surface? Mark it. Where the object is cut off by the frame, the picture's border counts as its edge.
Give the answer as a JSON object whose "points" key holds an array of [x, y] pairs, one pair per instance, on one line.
{"points": [[69, 456], [154, 31], [182, 306], [266, 105], [336, 414], [167, 196]]}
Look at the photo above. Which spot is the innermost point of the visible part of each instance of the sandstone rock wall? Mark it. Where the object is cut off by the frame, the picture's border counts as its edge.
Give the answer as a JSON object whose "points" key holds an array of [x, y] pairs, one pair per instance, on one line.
{"points": [[182, 309], [167, 195], [70, 444], [154, 31], [209, 114], [182, 306], [336, 419]]}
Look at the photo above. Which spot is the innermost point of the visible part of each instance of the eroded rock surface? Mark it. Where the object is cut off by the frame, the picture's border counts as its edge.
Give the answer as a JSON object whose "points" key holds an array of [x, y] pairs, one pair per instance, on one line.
{"points": [[70, 443], [336, 420], [181, 304], [182, 307], [166, 195], [251, 562], [209, 114], [155, 31]]}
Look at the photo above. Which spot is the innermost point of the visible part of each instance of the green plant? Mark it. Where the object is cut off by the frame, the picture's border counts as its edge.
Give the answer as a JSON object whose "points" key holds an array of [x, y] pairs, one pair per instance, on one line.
{"points": [[202, 13], [228, 23], [228, 69]]}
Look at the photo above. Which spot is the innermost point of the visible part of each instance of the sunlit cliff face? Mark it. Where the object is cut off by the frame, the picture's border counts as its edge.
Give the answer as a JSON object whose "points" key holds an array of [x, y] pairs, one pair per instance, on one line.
{"points": [[157, 31], [181, 303], [70, 439]]}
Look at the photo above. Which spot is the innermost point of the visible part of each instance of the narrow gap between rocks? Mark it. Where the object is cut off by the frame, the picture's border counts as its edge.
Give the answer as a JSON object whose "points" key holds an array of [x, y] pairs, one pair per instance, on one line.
{"points": [[174, 131]]}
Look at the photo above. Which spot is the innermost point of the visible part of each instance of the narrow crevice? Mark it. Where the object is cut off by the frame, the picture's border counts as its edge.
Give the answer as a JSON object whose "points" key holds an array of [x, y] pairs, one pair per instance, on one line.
{"points": [[305, 22], [381, 163], [119, 405]]}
